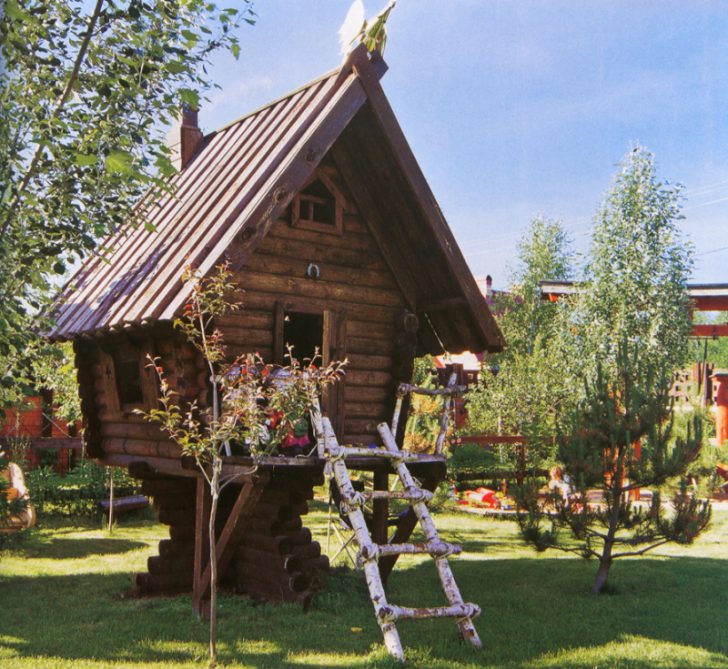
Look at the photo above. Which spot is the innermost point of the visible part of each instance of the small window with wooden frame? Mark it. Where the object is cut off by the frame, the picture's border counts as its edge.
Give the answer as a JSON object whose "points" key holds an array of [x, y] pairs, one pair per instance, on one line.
{"points": [[319, 206], [129, 381]]}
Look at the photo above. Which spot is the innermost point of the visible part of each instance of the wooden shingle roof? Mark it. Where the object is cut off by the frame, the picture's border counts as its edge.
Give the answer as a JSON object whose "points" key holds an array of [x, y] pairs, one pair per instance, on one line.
{"points": [[240, 181]]}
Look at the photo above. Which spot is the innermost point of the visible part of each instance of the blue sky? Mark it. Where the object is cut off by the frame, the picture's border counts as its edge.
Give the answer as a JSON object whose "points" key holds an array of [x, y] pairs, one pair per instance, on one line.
{"points": [[517, 108]]}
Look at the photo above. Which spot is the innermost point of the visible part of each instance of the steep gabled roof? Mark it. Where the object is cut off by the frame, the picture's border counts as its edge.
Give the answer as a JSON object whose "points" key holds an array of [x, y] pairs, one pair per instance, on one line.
{"points": [[239, 182]]}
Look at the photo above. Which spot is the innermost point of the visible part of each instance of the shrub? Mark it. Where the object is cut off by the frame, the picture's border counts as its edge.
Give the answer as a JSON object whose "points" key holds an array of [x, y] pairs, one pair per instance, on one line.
{"points": [[78, 492]]}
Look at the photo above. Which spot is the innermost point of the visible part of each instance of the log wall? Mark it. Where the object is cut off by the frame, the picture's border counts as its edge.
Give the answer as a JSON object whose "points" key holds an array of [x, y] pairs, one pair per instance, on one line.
{"points": [[114, 433], [355, 285]]}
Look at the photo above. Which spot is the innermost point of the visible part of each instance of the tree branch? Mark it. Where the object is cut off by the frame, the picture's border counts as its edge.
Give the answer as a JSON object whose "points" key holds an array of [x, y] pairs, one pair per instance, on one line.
{"points": [[30, 172], [641, 552]]}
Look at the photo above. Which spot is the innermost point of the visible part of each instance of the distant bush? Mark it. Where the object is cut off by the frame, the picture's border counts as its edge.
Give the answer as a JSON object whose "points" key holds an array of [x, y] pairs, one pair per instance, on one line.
{"points": [[78, 492]]}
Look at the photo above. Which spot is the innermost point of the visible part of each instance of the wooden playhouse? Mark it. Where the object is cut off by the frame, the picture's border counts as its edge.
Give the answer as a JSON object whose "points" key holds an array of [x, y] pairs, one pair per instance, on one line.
{"points": [[334, 235]]}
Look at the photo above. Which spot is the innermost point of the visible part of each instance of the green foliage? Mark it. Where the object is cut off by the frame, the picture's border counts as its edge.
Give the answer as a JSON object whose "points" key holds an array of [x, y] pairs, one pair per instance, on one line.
{"points": [[425, 413], [53, 368], [78, 492], [619, 438], [709, 350], [84, 99], [636, 277], [525, 386]]}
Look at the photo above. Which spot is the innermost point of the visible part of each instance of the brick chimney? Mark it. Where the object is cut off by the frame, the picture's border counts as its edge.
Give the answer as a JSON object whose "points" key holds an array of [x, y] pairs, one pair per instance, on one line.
{"points": [[184, 138]]}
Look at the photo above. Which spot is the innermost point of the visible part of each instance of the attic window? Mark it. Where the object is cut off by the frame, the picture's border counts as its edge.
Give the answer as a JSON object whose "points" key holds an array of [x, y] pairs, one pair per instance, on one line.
{"points": [[318, 206]]}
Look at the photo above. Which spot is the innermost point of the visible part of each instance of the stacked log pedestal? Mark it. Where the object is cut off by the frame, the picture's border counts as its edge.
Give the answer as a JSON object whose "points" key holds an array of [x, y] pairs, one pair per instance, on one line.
{"points": [[170, 572], [275, 560]]}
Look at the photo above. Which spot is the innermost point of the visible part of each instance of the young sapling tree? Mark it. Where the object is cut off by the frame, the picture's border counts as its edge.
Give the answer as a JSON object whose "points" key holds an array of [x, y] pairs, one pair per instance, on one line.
{"points": [[253, 403]]}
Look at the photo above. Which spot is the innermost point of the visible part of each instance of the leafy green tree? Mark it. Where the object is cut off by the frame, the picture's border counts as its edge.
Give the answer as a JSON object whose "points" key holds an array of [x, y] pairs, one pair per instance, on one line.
{"points": [[85, 94], [636, 276], [627, 330], [618, 439], [525, 386]]}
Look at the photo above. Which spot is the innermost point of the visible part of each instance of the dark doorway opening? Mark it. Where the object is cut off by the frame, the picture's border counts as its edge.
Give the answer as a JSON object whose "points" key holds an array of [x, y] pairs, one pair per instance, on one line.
{"points": [[305, 333]]}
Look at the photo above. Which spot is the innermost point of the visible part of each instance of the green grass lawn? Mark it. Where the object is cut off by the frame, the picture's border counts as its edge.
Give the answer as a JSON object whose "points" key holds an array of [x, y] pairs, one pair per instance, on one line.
{"points": [[62, 586]]}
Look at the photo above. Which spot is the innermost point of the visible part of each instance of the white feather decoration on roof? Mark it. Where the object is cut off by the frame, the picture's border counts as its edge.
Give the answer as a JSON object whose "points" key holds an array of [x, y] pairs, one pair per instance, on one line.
{"points": [[352, 28]]}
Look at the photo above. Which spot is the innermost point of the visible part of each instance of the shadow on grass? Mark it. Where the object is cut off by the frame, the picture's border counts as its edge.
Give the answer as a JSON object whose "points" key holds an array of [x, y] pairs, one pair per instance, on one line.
{"points": [[532, 608], [64, 548]]}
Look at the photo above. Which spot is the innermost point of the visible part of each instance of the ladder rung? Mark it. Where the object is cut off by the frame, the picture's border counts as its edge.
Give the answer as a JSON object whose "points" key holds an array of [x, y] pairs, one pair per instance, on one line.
{"points": [[433, 548], [360, 451], [392, 612], [413, 495]]}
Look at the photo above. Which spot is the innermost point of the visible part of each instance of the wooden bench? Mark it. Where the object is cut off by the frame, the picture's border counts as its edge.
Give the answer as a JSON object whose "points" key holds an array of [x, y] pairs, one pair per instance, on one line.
{"points": [[124, 504]]}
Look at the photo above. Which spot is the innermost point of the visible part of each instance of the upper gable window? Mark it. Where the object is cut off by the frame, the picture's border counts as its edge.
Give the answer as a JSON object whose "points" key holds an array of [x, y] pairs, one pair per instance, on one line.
{"points": [[318, 206]]}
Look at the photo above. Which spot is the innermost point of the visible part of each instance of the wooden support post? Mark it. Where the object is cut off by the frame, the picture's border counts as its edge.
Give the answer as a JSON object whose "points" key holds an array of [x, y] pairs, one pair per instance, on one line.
{"points": [[380, 507], [236, 524], [202, 549]]}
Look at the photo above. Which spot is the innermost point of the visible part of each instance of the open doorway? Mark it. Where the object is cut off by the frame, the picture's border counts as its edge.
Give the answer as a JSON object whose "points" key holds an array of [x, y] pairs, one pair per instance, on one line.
{"points": [[305, 333]]}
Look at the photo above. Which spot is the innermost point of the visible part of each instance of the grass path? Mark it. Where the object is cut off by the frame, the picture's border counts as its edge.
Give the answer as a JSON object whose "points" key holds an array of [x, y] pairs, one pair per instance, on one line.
{"points": [[61, 591]]}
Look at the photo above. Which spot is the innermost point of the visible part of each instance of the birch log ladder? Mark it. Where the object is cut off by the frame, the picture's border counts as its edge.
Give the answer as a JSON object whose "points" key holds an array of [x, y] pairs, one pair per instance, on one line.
{"points": [[369, 552]]}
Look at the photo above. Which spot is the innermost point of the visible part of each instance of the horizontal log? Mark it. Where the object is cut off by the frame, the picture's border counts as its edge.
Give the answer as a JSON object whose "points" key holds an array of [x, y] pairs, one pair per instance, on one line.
{"points": [[242, 319], [352, 241], [163, 582], [373, 362], [363, 426], [171, 548], [363, 409], [182, 532], [288, 287], [369, 330], [301, 537], [146, 449], [369, 346], [278, 544], [332, 272], [307, 551], [156, 564], [248, 337], [316, 564], [176, 516], [156, 487], [295, 582], [371, 394], [273, 512], [160, 465], [269, 527], [251, 556], [280, 496], [362, 378]]}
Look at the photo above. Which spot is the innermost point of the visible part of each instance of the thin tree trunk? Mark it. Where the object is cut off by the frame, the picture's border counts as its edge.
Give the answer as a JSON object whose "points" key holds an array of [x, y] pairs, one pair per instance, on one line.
{"points": [[605, 559], [215, 494], [605, 562]]}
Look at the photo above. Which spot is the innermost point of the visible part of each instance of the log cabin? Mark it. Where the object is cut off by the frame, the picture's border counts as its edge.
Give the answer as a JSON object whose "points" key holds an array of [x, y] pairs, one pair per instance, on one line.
{"points": [[337, 241]]}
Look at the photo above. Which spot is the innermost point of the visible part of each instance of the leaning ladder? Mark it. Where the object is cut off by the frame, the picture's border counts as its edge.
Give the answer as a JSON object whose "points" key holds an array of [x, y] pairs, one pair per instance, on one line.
{"points": [[369, 552]]}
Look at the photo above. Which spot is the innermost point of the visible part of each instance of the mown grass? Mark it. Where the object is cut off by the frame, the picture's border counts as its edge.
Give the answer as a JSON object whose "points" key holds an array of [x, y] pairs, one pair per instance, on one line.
{"points": [[62, 587]]}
